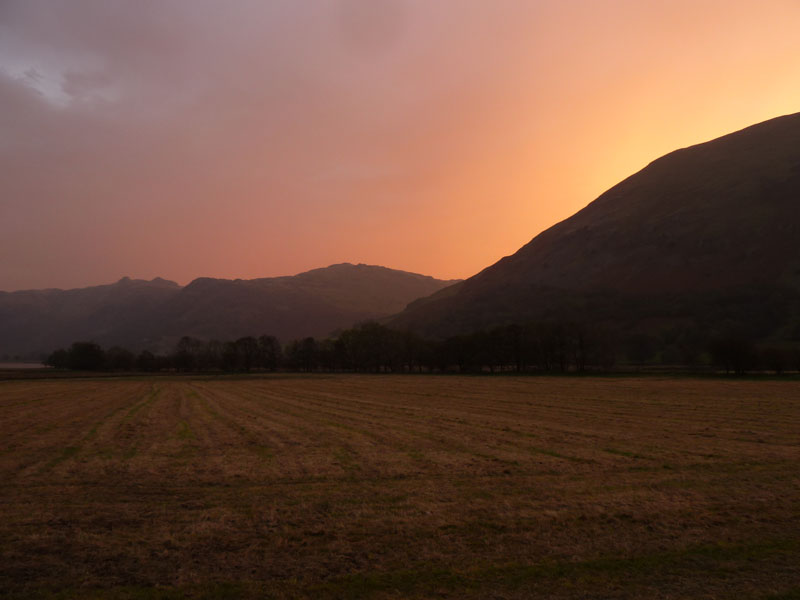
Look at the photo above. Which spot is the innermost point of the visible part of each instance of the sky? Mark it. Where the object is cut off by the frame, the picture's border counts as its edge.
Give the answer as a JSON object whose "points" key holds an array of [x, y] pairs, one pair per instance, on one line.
{"points": [[252, 138]]}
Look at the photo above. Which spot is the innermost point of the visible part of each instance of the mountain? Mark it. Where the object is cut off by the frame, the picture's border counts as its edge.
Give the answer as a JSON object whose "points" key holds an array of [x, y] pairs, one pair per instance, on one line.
{"points": [[155, 314], [313, 303], [33, 322], [703, 240]]}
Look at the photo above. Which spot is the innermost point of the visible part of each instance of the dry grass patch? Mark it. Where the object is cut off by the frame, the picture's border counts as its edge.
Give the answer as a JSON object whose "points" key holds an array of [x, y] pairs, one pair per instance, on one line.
{"points": [[396, 487]]}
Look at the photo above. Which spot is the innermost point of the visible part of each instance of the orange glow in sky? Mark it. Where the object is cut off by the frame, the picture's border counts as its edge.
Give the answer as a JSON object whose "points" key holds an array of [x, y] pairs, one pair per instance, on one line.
{"points": [[253, 139]]}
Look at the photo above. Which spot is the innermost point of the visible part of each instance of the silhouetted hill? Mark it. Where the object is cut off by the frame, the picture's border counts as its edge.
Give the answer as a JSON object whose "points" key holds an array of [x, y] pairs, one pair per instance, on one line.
{"points": [[33, 321], [312, 303], [703, 239], [154, 314]]}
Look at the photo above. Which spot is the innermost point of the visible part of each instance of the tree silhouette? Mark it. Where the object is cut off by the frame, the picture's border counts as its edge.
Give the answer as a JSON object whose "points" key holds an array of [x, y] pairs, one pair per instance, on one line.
{"points": [[86, 356], [270, 352], [247, 350]]}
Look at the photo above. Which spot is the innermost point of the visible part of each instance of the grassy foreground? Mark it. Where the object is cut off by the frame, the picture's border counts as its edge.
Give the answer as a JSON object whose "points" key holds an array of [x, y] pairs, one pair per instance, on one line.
{"points": [[400, 487]]}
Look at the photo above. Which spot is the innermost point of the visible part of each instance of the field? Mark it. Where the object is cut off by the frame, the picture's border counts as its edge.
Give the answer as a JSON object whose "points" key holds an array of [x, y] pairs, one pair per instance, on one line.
{"points": [[400, 487]]}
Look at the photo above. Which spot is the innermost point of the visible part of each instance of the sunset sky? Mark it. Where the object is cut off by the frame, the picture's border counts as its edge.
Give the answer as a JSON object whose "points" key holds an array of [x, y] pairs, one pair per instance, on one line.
{"points": [[256, 138]]}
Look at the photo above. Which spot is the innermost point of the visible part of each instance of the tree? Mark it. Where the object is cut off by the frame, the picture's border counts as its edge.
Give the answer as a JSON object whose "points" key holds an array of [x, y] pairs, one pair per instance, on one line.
{"points": [[147, 361], [270, 352], [302, 354], [247, 349], [412, 349], [58, 359], [211, 355], [86, 356], [230, 356], [733, 353], [641, 348], [775, 359], [120, 359], [187, 353]]}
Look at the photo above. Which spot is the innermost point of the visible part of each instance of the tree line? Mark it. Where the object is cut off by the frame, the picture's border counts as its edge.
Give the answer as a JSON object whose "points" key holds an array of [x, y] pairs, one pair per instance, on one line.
{"points": [[548, 347]]}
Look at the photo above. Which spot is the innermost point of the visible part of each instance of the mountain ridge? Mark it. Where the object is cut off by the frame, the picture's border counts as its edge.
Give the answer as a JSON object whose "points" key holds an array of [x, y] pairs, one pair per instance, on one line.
{"points": [[153, 314], [716, 218]]}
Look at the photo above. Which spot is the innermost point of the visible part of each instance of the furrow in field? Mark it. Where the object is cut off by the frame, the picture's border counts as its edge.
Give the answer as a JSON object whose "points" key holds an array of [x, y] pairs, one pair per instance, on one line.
{"points": [[439, 420], [322, 434], [343, 508], [370, 422], [249, 411], [20, 419], [71, 426], [275, 443], [332, 442], [420, 436], [583, 421], [18, 394], [134, 431], [123, 400]]}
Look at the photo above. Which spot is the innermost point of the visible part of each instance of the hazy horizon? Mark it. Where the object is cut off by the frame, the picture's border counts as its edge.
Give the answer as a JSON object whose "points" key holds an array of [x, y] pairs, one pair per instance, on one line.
{"points": [[250, 139]]}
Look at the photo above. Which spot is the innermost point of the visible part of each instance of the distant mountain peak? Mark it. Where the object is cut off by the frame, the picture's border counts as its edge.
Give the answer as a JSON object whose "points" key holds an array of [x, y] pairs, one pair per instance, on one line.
{"points": [[162, 280], [155, 314], [157, 281]]}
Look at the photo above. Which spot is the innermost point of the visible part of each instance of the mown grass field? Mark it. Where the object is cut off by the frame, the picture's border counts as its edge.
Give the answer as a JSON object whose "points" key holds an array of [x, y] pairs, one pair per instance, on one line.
{"points": [[400, 487]]}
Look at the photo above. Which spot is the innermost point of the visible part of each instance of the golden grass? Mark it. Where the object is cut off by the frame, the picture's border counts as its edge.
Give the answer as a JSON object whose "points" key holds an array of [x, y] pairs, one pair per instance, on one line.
{"points": [[400, 487]]}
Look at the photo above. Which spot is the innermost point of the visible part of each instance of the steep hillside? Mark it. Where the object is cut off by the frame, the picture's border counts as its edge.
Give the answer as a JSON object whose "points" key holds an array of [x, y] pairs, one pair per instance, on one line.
{"points": [[154, 314], [705, 237]]}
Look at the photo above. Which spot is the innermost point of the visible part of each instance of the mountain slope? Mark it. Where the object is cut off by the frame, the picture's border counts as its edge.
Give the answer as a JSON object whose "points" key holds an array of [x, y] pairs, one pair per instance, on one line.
{"points": [[713, 227], [36, 321], [154, 314], [313, 303]]}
